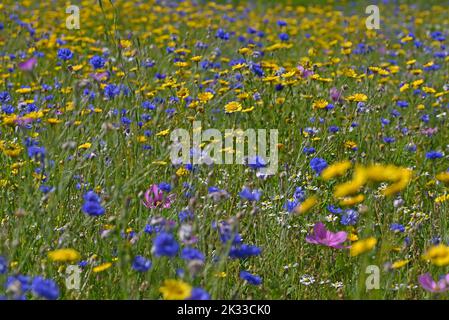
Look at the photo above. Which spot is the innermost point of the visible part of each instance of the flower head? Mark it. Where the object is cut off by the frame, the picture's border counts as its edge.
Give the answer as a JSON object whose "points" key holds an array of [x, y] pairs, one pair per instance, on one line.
{"points": [[175, 290], [321, 235]]}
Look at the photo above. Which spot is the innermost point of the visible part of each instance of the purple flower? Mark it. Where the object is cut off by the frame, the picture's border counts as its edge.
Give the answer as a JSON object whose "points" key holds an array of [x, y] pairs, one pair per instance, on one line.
{"points": [[426, 281], [335, 94], [28, 65], [326, 238], [154, 198]]}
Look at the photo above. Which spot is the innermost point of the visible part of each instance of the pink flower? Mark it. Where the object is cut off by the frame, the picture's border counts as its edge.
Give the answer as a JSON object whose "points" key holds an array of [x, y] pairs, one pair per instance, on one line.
{"points": [[426, 281], [429, 131], [326, 238], [28, 65], [304, 72], [335, 94], [154, 198], [100, 76]]}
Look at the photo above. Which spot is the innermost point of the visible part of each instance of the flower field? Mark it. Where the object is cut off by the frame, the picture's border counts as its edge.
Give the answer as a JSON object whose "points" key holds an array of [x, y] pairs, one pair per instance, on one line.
{"points": [[92, 205]]}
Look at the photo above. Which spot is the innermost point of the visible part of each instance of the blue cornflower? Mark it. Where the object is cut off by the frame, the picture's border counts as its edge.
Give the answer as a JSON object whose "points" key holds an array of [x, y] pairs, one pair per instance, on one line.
{"points": [[199, 294], [3, 265], [185, 215], [164, 186], [349, 218], [432, 155], [284, 36], [334, 129], [308, 150], [244, 251], [222, 34], [334, 210], [396, 227], [97, 62], [256, 162], [36, 152], [111, 90], [250, 278], [165, 245], [5, 96], [8, 109], [299, 194], [402, 104], [45, 288], [318, 165], [250, 195], [65, 54], [227, 234], [92, 204], [23, 281], [192, 254], [290, 205], [141, 264], [389, 139]]}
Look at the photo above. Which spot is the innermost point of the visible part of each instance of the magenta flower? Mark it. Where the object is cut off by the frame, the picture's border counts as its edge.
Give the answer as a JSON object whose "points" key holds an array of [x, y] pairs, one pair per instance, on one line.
{"points": [[28, 65], [326, 238], [335, 94], [155, 198], [304, 72], [426, 281]]}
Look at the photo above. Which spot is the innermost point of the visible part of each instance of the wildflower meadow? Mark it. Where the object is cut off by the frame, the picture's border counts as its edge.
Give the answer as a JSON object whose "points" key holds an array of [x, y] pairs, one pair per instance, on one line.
{"points": [[224, 150]]}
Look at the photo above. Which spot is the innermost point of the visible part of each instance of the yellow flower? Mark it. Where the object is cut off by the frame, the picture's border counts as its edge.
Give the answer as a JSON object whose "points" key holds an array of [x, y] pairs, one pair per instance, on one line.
{"points": [[233, 106], [306, 205], [320, 104], [399, 264], [175, 290], [350, 201], [443, 177], [362, 246], [125, 43], [442, 198], [358, 97], [348, 188], [102, 267], [182, 172], [86, 145], [438, 255], [404, 180], [205, 96], [336, 170], [163, 133], [23, 90], [350, 145], [64, 255]]}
